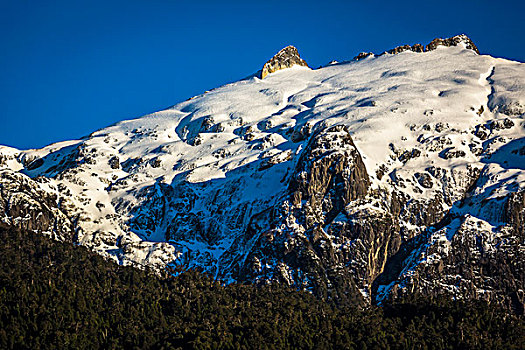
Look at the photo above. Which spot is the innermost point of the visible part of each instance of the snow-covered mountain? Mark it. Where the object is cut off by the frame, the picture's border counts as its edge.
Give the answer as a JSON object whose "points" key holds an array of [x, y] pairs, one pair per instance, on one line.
{"points": [[369, 179]]}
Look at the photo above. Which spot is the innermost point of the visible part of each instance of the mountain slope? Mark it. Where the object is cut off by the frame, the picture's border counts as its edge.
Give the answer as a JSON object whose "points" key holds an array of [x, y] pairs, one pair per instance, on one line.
{"points": [[361, 180]]}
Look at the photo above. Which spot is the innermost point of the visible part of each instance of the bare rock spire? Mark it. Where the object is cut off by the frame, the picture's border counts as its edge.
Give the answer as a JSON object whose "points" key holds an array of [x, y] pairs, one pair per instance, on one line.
{"points": [[286, 58]]}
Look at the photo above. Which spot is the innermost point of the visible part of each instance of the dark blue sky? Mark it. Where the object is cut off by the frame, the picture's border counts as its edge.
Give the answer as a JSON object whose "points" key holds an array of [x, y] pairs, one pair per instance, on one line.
{"points": [[68, 68]]}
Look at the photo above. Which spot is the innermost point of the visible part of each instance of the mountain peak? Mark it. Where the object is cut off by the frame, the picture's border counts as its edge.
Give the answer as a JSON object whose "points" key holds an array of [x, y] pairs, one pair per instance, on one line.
{"points": [[285, 58], [454, 41]]}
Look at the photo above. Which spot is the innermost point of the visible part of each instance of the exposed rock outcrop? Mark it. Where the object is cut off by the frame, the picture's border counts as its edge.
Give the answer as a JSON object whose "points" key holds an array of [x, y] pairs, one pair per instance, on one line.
{"points": [[454, 41], [514, 212], [413, 48], [286, 58], [291, 243], [464, 257], [329, 175], [29, 205], [363, 55]]}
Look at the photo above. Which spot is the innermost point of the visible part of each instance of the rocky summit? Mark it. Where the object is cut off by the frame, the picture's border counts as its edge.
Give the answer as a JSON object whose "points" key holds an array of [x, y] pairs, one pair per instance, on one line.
{"points": [[286, 58], [365, 181]]}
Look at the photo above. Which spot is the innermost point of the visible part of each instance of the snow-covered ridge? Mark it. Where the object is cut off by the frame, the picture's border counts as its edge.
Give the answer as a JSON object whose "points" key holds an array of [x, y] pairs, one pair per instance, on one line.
{"points": [[185, 185]]}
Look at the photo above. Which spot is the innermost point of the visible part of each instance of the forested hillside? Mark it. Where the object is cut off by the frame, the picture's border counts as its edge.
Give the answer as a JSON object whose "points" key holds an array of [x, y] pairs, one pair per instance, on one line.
{"points": [[56, 295]]}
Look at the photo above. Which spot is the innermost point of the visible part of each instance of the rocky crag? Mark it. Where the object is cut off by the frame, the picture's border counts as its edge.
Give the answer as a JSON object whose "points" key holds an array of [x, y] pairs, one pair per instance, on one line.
{"points": [[286, 58]]}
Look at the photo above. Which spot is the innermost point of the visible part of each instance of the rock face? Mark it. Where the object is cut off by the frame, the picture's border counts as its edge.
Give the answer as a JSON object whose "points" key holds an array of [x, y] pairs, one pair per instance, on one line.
{"points": [[286, 58], [465, 259], [292, 245], [477, 251], [361, 181], [31, 205]]}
